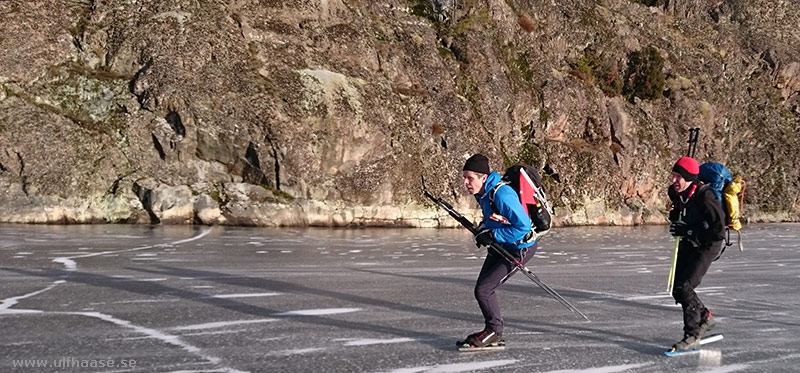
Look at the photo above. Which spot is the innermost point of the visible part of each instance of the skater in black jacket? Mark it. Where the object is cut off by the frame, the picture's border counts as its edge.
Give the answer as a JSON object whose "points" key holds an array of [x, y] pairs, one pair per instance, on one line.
{"points": [[698, 222]]}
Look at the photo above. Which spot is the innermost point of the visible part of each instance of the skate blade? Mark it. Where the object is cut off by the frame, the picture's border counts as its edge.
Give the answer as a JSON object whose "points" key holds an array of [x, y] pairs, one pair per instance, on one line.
{"points": [[493, 347], [705, 340]]}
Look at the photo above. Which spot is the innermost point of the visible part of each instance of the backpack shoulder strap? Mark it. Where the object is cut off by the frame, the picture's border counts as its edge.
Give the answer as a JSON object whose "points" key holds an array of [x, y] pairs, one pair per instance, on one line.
{"points": [[493, 192]]}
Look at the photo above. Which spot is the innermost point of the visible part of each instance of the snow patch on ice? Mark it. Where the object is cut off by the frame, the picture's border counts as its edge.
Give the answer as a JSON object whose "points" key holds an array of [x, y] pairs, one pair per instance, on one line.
{"points": [[318, 312], [644, 297], [68, 263], [606, 369], [367, 342], [295, 352], [458, 367]]}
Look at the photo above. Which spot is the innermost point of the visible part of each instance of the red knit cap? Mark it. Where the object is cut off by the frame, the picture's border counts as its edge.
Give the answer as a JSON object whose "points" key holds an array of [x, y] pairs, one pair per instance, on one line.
{"points": [[687, 168]]}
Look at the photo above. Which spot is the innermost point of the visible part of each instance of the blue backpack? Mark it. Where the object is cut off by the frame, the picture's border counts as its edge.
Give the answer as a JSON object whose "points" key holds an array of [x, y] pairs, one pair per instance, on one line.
{"points": [[716, 176]]}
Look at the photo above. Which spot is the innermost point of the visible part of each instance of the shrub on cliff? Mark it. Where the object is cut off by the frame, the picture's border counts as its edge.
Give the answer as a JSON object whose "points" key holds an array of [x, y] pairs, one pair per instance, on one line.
{"points": [[645, 76]]}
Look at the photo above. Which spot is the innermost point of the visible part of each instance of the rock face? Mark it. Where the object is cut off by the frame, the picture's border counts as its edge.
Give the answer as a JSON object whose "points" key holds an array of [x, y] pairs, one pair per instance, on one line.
{"points": [[328, 112]]}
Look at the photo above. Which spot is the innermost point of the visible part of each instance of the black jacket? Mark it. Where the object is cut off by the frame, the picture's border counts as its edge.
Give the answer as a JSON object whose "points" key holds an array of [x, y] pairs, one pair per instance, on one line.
{"points": [[702, 212]]}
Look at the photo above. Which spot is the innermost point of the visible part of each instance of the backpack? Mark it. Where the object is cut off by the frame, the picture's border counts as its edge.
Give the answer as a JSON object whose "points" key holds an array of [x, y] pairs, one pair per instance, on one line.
{"points": [[728, 189], [525, 180], [730, 192]]}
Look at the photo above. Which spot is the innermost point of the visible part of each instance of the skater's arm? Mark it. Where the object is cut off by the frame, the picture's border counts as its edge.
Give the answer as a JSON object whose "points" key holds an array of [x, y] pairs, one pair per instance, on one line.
{"points": [[508, 206]]}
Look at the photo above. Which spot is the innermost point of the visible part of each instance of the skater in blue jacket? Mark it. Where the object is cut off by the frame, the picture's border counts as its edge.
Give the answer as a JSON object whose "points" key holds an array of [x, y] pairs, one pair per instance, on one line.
{"points": [[505, 222]]}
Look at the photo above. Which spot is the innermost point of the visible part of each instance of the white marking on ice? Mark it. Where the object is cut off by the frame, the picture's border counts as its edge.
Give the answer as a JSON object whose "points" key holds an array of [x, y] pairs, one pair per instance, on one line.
{"points": [[244, 295], [727, 368], [221, 324], [152, 279], [70, 264], [214, 333], [318, 312], [643, 297], [24, 253], [458, 367], [152, 333], [606, 369], [147, 254], [261, 252], [286, 251], [202, 287], [6, 304], [145, 301], [367, 342], [295, 352]]}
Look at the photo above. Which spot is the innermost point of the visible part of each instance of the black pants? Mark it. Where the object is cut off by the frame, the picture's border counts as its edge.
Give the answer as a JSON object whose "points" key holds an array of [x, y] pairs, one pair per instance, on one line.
{"points": [[494, 272], [693, 263]]}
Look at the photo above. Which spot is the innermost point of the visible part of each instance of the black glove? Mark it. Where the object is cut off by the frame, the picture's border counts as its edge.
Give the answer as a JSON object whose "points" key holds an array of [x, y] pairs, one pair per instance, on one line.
{"points": [[680, 228], [484, 238], [674, 215]]}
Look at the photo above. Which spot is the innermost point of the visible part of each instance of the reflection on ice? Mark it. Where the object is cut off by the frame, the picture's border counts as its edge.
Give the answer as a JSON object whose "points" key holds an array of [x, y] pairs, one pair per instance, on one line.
{"points": [[710, 357]]}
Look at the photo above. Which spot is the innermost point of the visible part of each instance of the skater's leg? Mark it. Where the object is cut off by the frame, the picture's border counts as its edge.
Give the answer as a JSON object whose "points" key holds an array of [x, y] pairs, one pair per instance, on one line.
{"points": [[494, 269], [693, 263]]}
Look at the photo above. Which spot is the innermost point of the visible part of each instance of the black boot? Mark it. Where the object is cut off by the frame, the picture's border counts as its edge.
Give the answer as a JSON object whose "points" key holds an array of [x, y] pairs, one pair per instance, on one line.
{"points": [[483, 338], [706, 324], [688, 343]]}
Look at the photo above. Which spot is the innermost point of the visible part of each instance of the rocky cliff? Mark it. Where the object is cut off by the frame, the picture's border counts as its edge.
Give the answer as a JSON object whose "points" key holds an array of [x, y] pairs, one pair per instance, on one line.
{"points": [[328, 112]]}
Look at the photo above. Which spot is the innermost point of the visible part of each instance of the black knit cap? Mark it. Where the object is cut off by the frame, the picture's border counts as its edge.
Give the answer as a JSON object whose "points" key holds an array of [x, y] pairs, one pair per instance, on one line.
{"points": [[478, 163]]}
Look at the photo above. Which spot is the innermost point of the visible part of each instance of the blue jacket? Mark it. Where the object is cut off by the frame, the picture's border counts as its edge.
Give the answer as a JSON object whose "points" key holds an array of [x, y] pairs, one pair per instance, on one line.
{"points": [[508, 205]]}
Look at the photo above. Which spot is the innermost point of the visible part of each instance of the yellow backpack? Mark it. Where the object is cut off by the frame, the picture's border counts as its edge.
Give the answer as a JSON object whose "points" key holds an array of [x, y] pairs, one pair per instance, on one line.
{"points": [[733, 200]]}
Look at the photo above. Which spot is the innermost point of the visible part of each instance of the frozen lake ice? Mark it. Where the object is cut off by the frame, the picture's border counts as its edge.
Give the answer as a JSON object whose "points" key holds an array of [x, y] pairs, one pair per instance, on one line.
{"points": [[223, 299]]}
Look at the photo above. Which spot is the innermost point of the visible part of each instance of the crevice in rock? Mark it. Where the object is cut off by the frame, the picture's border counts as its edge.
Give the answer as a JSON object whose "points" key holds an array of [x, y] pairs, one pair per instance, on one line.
{"points": [[275, 155], [549, 171], [145, 197], [144, 96], [252, 156], [252, 172], [444, 143], [277, 169], [114, 187], [159, 148], [174, 120], [22, 176]]}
